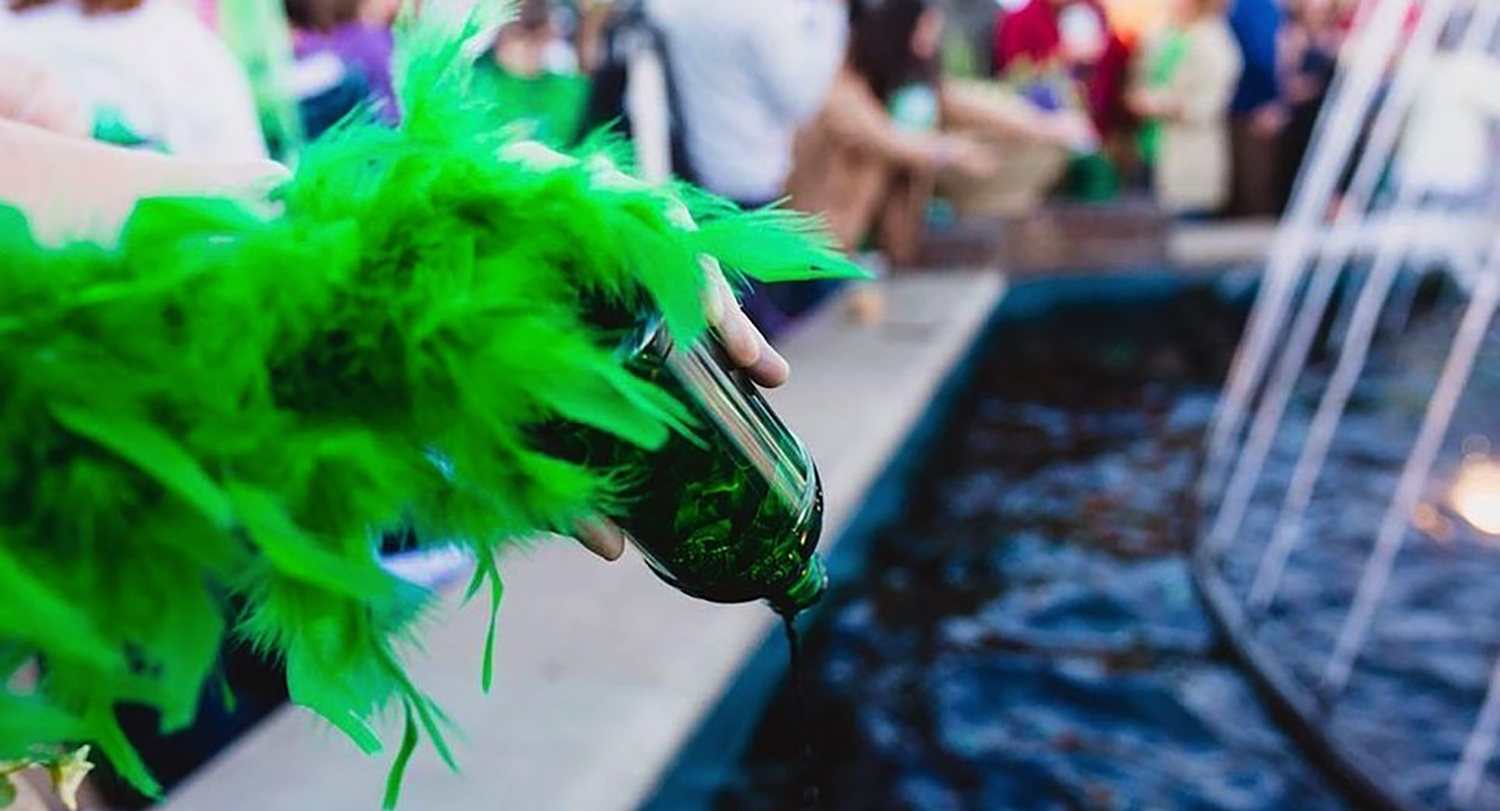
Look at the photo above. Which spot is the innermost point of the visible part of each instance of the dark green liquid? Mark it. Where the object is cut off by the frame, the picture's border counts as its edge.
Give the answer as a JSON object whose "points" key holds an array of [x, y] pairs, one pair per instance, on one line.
{"points": [[811, 795], [727, 515]]}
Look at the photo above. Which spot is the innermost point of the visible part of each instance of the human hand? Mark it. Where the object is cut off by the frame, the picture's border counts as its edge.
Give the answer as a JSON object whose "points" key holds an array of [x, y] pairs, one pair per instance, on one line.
{"points": [[32, 94], [746, 347], [744, 344], [1073, 130], [1151, 103], [1268, 120], [1300, 88]]}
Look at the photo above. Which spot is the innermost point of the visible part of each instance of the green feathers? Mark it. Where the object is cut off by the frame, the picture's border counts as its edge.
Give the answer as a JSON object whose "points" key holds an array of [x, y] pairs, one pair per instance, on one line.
{"points": [[204, 430]]}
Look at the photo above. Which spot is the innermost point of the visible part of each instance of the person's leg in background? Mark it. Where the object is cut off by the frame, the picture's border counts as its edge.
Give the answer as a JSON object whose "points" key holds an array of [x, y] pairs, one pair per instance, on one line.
{"points": [[1258, 113], [1256, 145]]}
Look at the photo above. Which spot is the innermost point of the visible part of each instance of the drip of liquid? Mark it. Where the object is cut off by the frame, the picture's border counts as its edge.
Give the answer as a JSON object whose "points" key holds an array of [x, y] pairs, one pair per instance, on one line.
{"points": [[811, 796]]}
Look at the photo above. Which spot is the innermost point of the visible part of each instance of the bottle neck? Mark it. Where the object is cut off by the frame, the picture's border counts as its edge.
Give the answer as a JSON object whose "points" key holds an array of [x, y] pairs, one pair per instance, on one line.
{"points": [[806, 590]]}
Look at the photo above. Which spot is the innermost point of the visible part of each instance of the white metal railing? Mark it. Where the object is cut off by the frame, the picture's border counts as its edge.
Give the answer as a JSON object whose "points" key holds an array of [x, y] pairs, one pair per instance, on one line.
{"points": [[1389, 219]]}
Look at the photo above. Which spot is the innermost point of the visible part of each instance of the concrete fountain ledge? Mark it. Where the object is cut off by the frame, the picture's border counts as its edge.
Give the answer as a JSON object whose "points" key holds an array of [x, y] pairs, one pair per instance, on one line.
{"points": [[601, 671]]}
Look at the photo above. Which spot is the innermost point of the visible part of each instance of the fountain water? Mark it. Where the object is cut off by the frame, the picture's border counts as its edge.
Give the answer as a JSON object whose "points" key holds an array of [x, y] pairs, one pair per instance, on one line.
{"points": [[1390, 220]]}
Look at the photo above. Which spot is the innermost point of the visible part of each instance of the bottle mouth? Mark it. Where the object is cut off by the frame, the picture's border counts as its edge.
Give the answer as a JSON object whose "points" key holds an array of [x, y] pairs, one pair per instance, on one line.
{"points": [[805, 591]]}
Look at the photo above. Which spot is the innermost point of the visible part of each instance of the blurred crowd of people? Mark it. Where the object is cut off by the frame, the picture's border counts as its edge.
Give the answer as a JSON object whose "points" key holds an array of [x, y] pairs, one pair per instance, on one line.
{"points": [[883, 116], [1208, 104]]}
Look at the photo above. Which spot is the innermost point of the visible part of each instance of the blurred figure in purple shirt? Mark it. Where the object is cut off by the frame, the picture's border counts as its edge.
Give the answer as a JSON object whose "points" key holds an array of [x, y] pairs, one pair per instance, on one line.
{"points": [[356, 36]]}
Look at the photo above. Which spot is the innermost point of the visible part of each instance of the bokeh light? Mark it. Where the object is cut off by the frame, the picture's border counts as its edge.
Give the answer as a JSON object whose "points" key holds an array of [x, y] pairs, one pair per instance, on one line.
{"points": [[1475, 495]]}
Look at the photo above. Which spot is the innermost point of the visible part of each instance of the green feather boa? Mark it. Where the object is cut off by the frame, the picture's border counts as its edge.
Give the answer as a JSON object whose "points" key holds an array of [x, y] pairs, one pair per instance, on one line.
{"points": [[226, 408]]}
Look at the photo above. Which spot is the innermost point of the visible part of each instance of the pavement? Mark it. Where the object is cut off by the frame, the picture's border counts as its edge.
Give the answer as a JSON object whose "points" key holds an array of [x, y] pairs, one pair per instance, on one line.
{"points": [[601, 671], [1213, 246]]}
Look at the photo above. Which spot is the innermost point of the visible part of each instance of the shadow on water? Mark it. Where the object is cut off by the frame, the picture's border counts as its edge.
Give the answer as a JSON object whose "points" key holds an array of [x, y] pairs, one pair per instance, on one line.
{"points": [[1025, 634]]}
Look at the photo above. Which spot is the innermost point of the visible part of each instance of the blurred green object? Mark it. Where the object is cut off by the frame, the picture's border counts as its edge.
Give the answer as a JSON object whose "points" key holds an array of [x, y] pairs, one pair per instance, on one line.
{"points": [[111, 128], [915, 108], [1163, 65], [207, 425], [1092, 178], [258, 34], [547, 107], [959, 59]]}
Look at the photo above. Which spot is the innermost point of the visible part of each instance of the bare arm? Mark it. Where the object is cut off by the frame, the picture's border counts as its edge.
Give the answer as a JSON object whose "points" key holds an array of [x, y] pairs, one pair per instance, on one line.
{"points": [[72, 188], [975, 108], [855, 117]]}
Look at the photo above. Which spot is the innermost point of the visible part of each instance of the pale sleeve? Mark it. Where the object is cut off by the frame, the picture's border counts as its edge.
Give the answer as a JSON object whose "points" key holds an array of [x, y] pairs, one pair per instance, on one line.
{"points": [[221, 121], [1483, 80], [794, 49]]}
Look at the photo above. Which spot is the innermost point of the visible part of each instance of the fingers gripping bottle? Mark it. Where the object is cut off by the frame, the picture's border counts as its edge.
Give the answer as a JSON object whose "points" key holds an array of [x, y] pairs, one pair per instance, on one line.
{"points": [[732, 512]]}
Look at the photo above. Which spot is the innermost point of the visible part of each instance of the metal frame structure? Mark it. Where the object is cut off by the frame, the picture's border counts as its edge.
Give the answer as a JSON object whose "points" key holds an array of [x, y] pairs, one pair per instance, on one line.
{"points": [[1379, 84]]}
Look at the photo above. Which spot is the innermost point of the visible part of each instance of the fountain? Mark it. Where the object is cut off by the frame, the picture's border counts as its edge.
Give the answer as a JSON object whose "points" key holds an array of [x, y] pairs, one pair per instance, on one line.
{"points": [[1270, 463]]}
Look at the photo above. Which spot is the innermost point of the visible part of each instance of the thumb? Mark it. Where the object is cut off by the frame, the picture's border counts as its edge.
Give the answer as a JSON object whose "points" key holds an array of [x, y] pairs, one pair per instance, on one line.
{"points": [[600, 536]]}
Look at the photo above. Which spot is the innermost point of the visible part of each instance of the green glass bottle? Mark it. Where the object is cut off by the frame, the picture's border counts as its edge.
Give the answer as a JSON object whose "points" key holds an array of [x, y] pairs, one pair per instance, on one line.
{"points": [[733, 512]]}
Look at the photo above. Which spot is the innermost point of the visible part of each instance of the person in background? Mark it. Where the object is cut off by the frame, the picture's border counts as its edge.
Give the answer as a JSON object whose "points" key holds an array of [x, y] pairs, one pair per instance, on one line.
{"points": [[593, 18], [747, 76], [1309, 53], [1450, 146], [343, 59], [70, 187], [1075, 38], [867, 162], [868, 159], [1132, 19], [1182, 88], [1258, 110], [532, 73], [148, 72], [1033, 32]]}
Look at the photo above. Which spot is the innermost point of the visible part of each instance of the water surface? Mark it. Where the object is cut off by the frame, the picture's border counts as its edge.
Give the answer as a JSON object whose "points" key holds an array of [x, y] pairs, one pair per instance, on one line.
{"points": [[1027, 635]]}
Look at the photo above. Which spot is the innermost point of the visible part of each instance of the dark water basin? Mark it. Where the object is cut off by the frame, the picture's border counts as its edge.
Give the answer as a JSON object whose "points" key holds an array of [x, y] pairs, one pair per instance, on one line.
{"points": [[1020, 630], [1015, 625]]}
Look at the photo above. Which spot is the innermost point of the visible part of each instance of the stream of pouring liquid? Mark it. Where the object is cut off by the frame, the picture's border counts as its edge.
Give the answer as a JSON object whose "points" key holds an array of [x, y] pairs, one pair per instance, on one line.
{"points": [[811, 795]]}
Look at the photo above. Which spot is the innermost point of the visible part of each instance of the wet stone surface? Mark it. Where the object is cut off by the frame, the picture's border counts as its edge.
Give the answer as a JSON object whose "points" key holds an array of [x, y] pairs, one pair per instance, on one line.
{"points": [[1027, 635]]}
